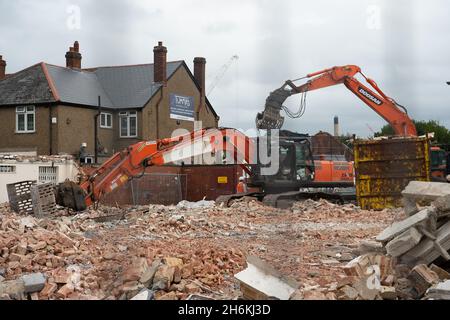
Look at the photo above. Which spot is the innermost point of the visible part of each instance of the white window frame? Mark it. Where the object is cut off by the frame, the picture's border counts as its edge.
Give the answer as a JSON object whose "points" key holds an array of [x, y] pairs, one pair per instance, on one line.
{"points": [[128, 115], [105, 116], [7, 169], [25, 111]]}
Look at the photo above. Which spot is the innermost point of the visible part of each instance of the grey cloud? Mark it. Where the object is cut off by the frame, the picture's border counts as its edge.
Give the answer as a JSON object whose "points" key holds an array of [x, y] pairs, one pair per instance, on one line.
{"points": [[276, 41]]}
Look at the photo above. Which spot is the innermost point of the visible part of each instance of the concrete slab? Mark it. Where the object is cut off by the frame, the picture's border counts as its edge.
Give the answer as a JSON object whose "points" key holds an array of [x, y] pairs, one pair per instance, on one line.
{"points": [[260, 281], [144, 295], [440, 292], [426, 191], [404, 242], [442, 205], [398, 228], [426, 251]]}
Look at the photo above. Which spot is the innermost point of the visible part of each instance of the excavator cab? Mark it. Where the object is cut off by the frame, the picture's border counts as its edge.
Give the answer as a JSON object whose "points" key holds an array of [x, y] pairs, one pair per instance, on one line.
{"points": [[296, 166], [439, 164]]}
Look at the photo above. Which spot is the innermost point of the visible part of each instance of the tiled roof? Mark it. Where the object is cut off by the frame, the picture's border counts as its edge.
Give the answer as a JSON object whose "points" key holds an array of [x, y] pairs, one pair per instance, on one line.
{"points": [[29, 86]]}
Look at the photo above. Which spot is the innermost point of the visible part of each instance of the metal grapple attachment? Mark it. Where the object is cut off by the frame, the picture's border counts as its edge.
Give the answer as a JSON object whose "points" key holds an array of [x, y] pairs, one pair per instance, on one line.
{"points": [[70, 195]]}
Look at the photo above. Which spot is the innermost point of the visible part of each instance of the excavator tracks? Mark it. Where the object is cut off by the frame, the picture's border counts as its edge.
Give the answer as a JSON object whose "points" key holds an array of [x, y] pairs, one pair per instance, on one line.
{"points": [[286, 199]]}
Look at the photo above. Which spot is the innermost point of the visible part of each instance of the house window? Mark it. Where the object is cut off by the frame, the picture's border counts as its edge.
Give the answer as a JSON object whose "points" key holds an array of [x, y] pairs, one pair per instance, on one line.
{"points": [[48, 175], [128, 124], [106, 120], [25, 119], [7, 169]]}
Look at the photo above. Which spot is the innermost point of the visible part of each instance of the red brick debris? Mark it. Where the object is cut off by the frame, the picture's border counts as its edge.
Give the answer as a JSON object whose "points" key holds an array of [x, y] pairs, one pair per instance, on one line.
{"points": [[115, 253]]}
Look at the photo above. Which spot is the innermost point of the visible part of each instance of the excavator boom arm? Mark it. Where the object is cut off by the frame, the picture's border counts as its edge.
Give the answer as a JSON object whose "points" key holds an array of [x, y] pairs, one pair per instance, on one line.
{"points": [[377, 101], [131, 163]]}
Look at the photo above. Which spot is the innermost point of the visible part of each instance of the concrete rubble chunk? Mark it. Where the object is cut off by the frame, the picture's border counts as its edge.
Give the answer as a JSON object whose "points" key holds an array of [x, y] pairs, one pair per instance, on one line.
{"points": [[442, 204], [367, 246], [34, 282], [144, 295], [410, 206], [260, 281], [398, 228], [441, 291], [426, 251], [404, 242], [426, 191]]}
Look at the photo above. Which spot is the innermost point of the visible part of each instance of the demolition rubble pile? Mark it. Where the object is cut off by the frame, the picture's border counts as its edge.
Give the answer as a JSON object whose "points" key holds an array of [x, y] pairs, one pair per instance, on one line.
{"points": [[401, 263], [160, 252], [78, 257]]}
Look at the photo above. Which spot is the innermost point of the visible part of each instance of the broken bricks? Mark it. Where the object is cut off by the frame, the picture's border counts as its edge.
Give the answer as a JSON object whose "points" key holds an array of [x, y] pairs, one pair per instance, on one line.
{"points": [[137, 269], [423, 278]]}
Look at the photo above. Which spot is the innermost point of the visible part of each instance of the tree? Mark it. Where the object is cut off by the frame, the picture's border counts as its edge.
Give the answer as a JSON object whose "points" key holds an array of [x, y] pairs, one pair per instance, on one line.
{"points": [[441, 133]]}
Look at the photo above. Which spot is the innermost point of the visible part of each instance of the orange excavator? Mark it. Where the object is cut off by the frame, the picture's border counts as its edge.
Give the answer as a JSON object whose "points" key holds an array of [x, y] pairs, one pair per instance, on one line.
{"points": [[330, 170], [212, 144]]}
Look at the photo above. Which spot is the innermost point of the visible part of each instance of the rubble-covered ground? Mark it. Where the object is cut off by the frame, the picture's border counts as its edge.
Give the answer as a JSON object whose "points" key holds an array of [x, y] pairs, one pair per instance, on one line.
{"points": [[113, 253]]}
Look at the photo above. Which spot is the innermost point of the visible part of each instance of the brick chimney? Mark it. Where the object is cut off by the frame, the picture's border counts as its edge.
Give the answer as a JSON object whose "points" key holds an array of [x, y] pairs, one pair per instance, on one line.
{"points": [[160, 63], [200, 73], [73, 57], [2, 68]]}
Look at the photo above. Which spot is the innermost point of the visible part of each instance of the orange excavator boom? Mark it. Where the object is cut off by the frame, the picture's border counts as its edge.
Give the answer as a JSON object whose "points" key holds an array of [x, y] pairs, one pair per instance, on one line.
{"points": [[374, 97], [132, 162]]}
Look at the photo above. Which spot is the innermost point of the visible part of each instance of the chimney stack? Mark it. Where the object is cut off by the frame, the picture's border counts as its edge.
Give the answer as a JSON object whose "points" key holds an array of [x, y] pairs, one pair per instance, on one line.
{"points": [[160, 63], [73, 57], [200, 73], [337, 129], [2, 68]]}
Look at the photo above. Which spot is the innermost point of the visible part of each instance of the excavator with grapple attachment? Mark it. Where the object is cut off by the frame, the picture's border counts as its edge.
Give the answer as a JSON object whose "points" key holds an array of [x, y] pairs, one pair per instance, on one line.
{"points": [[279, 191], [395, 114]]}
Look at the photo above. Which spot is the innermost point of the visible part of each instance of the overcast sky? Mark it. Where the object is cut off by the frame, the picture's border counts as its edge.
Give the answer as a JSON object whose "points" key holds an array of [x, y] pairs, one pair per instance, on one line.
{"points": [[402, 44]]}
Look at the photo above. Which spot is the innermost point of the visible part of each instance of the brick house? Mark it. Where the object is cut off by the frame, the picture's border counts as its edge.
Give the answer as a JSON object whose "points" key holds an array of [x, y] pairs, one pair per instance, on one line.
{"points": [[54, 110]]}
